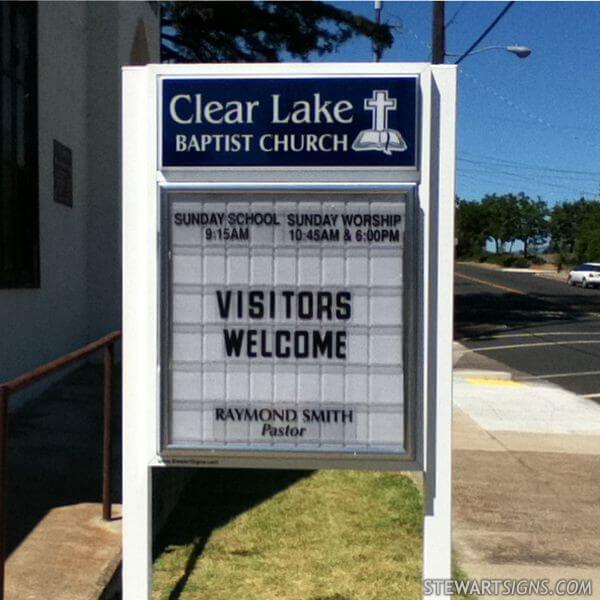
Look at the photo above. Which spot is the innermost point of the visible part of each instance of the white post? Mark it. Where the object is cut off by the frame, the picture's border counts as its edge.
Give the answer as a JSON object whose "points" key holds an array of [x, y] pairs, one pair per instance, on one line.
{"points": [[139, 330], [437, 534]]}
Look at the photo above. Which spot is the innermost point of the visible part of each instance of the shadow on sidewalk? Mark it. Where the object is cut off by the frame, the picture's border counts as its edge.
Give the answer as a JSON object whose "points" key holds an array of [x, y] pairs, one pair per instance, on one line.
{"points": [[55, 450], [211, 499]]}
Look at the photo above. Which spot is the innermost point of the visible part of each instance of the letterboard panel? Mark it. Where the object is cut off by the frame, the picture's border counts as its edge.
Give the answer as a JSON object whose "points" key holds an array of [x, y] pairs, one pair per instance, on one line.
{"points": [[284, 322]]}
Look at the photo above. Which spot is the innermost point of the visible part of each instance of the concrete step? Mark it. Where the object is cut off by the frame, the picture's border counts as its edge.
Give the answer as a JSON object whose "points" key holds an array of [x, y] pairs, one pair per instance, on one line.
{"points": [[71, 554]]}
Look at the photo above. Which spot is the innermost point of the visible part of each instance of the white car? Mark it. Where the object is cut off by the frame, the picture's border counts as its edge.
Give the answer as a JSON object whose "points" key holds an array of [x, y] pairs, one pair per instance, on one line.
{"points": [[586, 275]]}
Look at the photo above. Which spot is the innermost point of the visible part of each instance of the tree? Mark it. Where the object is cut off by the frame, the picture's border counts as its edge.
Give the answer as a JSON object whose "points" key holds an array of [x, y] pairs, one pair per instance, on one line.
{"points": [[509, 218], [530, 220], [565, 224], [470, 228], [587, 245], [260, 31], [499, 218]]}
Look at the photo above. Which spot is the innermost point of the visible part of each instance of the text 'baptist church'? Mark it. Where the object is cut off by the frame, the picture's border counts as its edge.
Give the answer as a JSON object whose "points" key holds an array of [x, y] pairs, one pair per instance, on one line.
{"points": [[192, 109]]}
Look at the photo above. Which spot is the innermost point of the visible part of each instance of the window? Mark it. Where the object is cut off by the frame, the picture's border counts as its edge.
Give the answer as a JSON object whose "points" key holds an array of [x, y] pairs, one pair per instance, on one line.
{"points": [[19, 220]]}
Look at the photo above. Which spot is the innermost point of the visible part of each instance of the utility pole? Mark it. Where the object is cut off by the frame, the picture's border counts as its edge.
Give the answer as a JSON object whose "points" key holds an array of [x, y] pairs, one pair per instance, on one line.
{"points": [[377, 50], [438, 42]]}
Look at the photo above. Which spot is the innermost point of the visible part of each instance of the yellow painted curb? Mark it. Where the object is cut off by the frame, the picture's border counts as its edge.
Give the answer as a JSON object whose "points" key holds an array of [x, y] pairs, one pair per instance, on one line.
{"points": [[494, 382]]}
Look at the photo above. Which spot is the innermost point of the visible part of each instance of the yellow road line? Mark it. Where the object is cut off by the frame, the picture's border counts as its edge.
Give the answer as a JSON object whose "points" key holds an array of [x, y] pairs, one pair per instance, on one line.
{"points": [[494, 382], [559, 375], [504, 288], [532, 334], [530, 345]]}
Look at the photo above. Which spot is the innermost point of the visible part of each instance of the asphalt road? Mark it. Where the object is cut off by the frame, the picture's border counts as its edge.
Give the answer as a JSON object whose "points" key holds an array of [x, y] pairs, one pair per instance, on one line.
{"points": [[537, 327]]}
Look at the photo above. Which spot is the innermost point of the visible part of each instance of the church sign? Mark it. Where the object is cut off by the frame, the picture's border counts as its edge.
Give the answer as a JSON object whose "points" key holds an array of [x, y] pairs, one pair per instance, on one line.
{"points": [[287, 291], [342, 121]]}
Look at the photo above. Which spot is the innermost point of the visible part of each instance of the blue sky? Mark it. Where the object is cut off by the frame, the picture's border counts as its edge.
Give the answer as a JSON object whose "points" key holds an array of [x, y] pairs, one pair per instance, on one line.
{"points": [[527, 125]]}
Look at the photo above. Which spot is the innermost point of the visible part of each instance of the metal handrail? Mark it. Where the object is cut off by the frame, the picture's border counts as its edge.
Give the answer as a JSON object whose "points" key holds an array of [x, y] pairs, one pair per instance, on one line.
{"points": [[25, 380]]}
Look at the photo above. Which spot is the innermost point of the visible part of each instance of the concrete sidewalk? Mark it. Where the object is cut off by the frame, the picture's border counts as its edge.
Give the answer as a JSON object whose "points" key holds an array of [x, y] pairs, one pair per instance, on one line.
{"points": [[526, 480], [526, 485], [59, 547]]}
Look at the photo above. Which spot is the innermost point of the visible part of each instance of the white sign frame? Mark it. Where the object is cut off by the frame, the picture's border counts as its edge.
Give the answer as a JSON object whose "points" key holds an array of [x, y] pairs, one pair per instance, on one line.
{"points": [[219, 173], [311, 459], [142, 183]]}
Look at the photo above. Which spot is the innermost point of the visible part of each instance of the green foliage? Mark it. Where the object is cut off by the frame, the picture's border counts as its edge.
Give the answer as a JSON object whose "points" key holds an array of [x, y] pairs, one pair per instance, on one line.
{"points": [[572, 229], [531, 220], [499, 219], [502, 219], [567, 258], [509, 260], [495, 259], [567, 219], [511, 217], [470, 227], [260, 31], [587, 245], [521, 262]]}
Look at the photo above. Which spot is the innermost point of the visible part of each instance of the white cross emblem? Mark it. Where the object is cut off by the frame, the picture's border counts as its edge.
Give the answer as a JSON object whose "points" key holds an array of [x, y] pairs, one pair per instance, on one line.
{"points": [[379, 104], [379, 137]]}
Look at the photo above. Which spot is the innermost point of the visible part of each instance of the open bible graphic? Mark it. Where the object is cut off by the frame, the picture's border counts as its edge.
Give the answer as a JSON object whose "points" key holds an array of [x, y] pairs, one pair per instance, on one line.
{"points": [[380, 137]]}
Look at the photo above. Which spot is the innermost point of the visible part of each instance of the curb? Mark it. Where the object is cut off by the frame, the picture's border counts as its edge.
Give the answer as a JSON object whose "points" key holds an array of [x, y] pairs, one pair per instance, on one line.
{"points": [[525, 270], [560, 277], [458, 350], [483, 374], [112, 588]]}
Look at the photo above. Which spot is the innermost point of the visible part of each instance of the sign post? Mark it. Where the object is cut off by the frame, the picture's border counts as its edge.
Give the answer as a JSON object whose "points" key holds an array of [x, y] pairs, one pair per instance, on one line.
{"points": [[287, 247]]}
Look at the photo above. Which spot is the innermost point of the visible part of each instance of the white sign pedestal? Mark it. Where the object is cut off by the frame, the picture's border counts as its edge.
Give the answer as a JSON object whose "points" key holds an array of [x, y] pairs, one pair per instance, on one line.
{"points": [[287, 277]]}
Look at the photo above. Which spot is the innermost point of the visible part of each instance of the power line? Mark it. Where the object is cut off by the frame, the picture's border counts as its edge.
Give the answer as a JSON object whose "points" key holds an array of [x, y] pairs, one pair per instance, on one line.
{"points": [[499, 181], [536, 177], [550, 170], [425, 45], [565, 185], [565, 128], [503, 172], [513, 181], [533, 182], [453, 18], [528, 113], [486, 31], [509, 163], [535, 120]]}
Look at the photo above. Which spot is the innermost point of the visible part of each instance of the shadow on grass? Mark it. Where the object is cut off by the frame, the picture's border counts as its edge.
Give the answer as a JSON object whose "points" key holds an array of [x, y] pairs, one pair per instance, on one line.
{"points": [[211, 499]]}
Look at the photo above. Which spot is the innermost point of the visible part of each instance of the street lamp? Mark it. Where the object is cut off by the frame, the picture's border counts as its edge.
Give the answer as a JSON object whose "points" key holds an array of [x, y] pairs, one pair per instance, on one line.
{"points": [[518, 51]]}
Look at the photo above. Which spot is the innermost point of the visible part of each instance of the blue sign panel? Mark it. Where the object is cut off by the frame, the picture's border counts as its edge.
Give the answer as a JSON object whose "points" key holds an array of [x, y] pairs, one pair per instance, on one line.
{"points": [[317, 122]]}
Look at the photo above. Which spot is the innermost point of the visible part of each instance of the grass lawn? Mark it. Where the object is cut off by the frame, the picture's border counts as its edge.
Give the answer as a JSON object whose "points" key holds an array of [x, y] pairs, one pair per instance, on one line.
{"points": [[278, 535]]}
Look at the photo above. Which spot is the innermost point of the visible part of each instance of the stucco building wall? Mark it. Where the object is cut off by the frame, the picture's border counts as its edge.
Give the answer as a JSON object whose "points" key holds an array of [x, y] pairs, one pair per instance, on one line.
{"points": [[81, 48]]}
